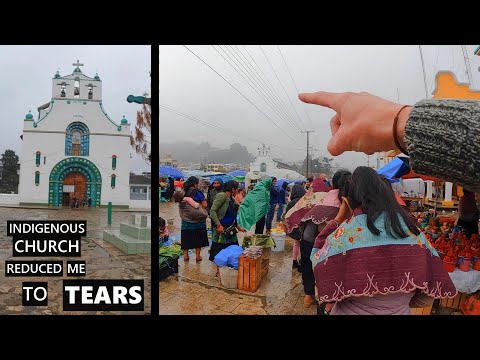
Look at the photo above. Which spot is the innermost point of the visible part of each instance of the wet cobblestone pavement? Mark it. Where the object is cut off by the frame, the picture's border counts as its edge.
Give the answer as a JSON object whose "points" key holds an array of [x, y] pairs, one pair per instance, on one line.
{"points": [[196, 291], [103, 261]]}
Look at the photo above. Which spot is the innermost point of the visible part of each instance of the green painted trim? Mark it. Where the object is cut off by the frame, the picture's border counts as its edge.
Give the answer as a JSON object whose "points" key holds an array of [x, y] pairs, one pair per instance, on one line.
{"points": [[116, 206], [63, 132], [82, 165], [35, 124], [105, 113], [76, 74], [477, 50]]}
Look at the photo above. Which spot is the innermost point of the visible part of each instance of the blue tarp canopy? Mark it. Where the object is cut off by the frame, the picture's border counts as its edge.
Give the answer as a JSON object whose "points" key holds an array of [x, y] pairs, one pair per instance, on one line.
{"points": [[224, 178], [301, 181], [237, 173], [395, 169], [170, 171]]}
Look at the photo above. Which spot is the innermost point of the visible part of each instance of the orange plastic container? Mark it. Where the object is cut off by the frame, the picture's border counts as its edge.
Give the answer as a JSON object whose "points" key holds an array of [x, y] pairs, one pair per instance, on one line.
{"points": [[449, 266], [476, 265], [464, 263]]}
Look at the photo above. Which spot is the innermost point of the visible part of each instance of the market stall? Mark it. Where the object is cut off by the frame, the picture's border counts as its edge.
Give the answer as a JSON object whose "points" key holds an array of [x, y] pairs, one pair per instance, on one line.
{"points": [[460, 252]]}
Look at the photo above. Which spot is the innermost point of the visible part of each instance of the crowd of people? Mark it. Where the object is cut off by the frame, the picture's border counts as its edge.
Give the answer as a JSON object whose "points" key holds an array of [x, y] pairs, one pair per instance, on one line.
{"points": [[358, 249]]}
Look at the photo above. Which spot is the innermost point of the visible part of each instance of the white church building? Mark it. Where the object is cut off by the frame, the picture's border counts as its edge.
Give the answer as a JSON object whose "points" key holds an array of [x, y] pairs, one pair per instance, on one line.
{"points": [[73, 149], [265, 166]]}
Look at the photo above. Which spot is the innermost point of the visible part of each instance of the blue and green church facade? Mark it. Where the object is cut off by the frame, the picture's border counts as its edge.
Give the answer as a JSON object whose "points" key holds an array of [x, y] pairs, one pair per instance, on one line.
{"points": [[73, 150]]}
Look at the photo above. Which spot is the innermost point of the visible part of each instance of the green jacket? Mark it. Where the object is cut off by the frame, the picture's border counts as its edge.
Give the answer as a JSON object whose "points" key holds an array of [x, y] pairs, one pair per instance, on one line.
{"points": [[255, 205], [219, 207]]}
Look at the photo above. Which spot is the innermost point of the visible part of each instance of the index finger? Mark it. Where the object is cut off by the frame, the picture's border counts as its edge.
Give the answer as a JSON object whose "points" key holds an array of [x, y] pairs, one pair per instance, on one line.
{"points": [[329, 99]]}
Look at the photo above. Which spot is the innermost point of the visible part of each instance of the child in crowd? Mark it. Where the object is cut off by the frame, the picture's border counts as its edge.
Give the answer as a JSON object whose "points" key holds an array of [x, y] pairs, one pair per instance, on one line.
{"points": [[162, 230]]}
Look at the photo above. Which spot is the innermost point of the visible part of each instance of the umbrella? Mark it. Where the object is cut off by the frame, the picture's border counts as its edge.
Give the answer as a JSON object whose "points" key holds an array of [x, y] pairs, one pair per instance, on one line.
{"points": [[171, 171], [301, 181], [240, 173], [395, 169]]}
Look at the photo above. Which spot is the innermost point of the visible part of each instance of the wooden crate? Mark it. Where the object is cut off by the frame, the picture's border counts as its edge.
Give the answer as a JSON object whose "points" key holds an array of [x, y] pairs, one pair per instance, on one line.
{"points": [[264, 267], [249, 273], [421, 311], [266, 253], [455, 302]]}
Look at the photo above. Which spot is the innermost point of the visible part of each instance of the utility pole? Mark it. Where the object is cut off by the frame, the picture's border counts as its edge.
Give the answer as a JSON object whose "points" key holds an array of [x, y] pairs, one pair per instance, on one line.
{"points": [[467, 65], [308, 145], [423, 69]]}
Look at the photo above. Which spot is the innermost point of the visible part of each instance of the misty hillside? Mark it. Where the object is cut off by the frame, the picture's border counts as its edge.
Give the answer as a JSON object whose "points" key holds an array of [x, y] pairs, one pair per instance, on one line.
{"points": [[185, 151]]}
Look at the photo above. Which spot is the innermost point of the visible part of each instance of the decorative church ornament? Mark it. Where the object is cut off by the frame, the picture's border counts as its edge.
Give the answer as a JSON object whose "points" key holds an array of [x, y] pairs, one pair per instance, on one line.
{"points": [[77, 134], [37, 158], [114, 162]]}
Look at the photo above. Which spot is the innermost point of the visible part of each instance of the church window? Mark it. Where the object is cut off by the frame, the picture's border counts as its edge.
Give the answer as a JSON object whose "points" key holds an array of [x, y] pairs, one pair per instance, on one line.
{"points": [[263, 167], [37, 158], [114, 162], [76, 88], [90, 91], [44, 160], [77, 140], [112, 181], [37, 178]]}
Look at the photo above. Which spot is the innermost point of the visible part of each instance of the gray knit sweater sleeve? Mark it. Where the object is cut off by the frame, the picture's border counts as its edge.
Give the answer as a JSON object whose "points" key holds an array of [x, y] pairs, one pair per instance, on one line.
{"points": [[443, 140]]}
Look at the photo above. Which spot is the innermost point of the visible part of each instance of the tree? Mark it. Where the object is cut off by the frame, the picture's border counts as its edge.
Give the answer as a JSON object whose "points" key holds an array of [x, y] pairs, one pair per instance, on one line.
{"points": [[317, 166], [141, 139], [10, 176]]}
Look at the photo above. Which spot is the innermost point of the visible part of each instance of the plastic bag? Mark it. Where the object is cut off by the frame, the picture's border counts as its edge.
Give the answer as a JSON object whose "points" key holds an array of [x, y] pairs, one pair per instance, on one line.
{"points": [[229, 256]]}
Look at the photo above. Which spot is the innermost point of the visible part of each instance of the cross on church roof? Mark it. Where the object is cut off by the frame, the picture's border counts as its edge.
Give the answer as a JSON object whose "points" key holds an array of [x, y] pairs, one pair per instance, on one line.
{"points": [[77, 64]]}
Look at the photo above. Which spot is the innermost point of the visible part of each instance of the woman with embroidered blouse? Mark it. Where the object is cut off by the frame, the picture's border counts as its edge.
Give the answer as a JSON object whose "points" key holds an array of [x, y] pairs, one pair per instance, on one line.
{"points": [[372, 259]]}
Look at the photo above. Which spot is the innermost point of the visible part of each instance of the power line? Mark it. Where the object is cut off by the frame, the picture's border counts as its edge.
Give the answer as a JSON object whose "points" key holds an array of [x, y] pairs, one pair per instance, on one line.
{"points": [[223, 129], [198, 57], [281, 84], [248, 82], [259, 81], [294, 84]]}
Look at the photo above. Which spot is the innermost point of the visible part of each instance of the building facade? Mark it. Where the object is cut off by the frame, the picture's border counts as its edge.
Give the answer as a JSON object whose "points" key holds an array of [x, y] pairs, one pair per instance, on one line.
{"points": [[74, 150]]}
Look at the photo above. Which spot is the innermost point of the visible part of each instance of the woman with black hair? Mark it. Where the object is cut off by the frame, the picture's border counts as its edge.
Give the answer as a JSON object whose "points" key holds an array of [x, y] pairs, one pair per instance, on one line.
{"points": [[397, 197], [194, 235], [372, 258], [311, 225], [224, 220], [212, 191]]}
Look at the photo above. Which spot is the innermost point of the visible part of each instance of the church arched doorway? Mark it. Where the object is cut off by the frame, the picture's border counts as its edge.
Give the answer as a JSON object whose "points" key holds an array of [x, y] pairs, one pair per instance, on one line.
{"points": [[74, 187], [79, 172], [263, 167]]}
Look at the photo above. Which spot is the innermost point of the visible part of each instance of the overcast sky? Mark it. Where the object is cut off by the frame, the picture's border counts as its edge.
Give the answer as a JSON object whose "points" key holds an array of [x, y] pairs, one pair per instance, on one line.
{"points": [[189, 86], [26, 74]]}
